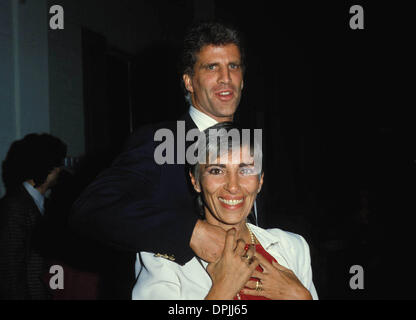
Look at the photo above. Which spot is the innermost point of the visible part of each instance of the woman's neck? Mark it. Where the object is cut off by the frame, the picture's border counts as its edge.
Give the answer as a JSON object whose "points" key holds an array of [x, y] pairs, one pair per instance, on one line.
{"points": [[242, 231]]}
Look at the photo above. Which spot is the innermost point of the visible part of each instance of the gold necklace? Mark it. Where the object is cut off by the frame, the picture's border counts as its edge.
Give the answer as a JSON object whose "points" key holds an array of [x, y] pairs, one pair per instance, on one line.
{"points": [[253, 242]]}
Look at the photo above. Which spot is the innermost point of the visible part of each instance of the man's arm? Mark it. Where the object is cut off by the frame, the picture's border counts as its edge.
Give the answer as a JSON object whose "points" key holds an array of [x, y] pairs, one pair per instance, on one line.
{"points": [[207, 241], [126, 208]]}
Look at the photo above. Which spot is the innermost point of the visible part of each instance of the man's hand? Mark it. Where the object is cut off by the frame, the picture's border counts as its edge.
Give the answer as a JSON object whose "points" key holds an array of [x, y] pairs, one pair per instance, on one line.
{"points": [[207, 241]]}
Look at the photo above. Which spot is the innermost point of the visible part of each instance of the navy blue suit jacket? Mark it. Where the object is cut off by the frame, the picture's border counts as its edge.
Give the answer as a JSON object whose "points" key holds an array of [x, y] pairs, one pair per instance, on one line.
{"points": [[138, 205]]}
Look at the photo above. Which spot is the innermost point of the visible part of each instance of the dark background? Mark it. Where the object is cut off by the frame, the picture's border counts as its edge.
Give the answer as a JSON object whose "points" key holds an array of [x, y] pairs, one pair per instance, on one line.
{"points": [[338, 135]]}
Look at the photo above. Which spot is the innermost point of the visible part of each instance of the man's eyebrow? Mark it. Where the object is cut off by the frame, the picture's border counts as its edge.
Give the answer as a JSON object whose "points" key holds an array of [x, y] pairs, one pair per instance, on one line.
{"points": [[204, 65]]}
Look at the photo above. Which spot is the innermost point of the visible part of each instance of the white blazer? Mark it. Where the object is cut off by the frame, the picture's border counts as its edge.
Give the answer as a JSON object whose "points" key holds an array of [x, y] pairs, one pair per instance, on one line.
{"points": [[158, 278]]}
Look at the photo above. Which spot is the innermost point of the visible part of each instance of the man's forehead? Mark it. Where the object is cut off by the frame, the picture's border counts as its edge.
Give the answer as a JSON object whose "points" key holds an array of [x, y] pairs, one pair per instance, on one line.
{"points": [[210, 51]]}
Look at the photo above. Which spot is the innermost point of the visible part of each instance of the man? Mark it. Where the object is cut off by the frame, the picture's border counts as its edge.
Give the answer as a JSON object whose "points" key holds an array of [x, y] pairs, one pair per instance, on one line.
{"points": [[31, 168], [139, 205]]}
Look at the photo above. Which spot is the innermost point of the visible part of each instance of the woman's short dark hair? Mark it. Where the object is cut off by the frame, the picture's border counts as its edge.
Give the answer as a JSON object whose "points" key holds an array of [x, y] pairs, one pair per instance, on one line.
{"points": [[208, 33], [32, 157]]}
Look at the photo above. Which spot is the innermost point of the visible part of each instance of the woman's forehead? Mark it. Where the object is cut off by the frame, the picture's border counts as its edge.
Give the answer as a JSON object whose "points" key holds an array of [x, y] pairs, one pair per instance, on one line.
{"points": [[234, 156]]}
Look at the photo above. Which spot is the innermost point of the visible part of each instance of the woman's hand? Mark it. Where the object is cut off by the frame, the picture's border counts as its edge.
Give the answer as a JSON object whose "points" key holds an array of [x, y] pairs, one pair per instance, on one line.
{"points": [[277, 282], [232, 271]]}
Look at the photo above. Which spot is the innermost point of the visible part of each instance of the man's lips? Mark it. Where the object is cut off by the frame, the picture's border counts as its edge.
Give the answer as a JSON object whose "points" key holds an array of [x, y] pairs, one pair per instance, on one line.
{"points": [[224, 95]]}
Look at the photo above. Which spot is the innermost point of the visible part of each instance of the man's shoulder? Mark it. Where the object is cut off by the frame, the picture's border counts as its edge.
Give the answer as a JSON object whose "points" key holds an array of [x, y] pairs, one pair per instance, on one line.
{"points": [[146, 134]]}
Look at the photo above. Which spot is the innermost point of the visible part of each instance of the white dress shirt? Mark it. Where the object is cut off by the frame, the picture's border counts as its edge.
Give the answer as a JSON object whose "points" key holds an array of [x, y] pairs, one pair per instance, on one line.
{"points": [[202, 120], [161, 279], [36, 196]]}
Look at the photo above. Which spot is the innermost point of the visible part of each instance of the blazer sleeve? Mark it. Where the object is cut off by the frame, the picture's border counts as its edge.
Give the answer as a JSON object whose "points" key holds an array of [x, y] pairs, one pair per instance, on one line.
{"points": [[13, 250], [123, 208], [305, 267], [157, 279]]}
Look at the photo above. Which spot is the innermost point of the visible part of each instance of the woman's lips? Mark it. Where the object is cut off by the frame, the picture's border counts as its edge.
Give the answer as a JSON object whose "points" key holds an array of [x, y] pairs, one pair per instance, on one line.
{"points": [[231, 203]]}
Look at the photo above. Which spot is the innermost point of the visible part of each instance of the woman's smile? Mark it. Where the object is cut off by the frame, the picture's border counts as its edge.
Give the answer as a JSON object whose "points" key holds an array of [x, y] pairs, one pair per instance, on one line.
{"points": [[231, 203]]}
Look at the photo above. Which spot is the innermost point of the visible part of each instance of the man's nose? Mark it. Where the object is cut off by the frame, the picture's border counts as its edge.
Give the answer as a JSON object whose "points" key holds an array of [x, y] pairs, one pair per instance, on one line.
{"points": [[224, 76]]}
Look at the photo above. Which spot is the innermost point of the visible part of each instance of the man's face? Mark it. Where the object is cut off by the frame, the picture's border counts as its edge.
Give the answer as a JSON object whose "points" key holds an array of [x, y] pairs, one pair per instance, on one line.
{"points": [[216, 84]]}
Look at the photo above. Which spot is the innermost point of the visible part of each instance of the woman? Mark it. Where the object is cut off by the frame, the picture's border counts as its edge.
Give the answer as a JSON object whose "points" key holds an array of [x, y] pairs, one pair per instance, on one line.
{"points": [[256, 263]]}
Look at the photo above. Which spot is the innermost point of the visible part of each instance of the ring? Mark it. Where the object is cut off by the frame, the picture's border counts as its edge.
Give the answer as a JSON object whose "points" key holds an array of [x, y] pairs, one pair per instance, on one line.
{"points": [[258, 286], [246, 256]]}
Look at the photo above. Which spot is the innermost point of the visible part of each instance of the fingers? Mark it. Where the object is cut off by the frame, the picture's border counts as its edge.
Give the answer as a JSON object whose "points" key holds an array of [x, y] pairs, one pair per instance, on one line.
{"points": [[278, 266], [251, 251], [230, 241], [251, 284], [265, 264], [239, 250], [252, 292]]}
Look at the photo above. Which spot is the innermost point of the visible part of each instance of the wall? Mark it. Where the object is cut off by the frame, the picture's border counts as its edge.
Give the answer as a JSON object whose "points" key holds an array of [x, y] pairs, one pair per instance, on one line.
{"points": [[24, 76]]}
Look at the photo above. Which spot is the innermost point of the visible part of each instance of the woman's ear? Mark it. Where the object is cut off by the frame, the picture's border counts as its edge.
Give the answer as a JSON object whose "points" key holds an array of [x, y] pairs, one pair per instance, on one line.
{"points": [[194, 182]]}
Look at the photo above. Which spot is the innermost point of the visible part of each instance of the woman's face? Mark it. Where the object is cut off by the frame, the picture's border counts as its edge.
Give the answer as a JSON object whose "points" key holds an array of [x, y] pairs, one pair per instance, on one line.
{"points": [[229, 187]]}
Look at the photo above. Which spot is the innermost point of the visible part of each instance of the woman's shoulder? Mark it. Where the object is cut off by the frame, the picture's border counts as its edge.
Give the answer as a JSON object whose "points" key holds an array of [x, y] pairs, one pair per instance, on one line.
{"points": [[287, 236], [285, 239]]}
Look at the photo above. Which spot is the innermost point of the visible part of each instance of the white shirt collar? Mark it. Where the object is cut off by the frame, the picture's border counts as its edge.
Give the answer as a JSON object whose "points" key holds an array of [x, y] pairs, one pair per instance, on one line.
{"points": [[36, 196], [264, 237], [201, 120]]}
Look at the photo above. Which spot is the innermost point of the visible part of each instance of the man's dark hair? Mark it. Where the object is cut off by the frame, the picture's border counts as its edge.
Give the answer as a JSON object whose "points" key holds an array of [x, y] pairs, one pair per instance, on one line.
{"points": [[32, 157], [208, 33]]}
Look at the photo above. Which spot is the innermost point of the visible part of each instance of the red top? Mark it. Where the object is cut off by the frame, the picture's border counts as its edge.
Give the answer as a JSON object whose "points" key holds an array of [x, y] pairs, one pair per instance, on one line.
{"points": [[269, 258]]}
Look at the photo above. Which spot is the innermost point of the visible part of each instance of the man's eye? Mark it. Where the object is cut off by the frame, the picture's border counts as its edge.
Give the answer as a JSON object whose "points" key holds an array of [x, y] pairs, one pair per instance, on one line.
{"points": [[234, 66], [211, 67]]}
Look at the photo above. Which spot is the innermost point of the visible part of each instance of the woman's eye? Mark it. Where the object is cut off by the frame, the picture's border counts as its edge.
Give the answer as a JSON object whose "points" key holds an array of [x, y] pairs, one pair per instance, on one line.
{"points": [[215, 171], [247, 171]]}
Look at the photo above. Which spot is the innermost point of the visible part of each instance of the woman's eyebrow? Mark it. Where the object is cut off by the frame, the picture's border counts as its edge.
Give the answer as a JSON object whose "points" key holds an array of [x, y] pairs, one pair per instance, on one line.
{"points": [[215, 165], [246, 164]]}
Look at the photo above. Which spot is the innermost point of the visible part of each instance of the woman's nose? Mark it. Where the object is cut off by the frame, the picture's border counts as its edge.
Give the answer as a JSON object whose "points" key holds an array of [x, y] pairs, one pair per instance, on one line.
{"points": [[232, 184]]}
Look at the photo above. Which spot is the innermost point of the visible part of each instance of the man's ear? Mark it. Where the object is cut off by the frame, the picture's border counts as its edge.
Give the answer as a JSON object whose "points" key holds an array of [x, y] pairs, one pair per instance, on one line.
{"points": [[194, 183], [188, 82]]}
